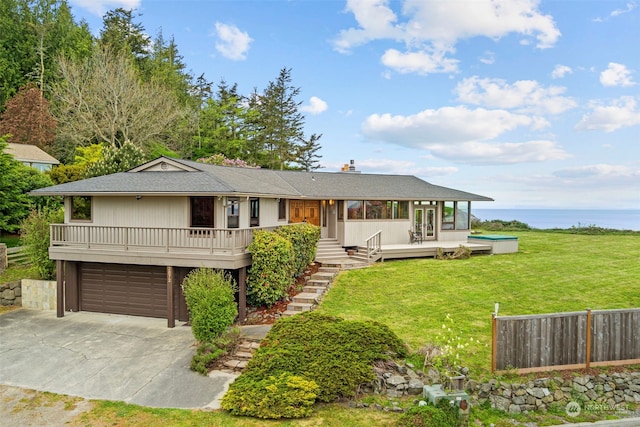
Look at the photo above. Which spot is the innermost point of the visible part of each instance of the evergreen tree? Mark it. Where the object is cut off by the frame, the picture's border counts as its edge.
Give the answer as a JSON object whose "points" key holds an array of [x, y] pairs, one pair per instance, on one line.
{"points": [[307, 155]]}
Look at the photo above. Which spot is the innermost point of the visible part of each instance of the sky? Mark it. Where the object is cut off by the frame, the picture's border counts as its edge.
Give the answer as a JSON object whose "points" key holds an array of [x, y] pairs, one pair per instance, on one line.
{"points": [[535, 104]]}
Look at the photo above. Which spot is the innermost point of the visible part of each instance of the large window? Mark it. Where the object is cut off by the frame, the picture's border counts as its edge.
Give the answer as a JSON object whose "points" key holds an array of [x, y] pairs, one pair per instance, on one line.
{"points": [[233, 212], [375, 209], [340, 209], [254, 212], [455, 216], [202, 212], [81, 208]]}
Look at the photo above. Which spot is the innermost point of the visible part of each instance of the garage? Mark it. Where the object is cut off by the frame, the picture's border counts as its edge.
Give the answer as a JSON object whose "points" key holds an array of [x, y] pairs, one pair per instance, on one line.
{"points": [[137, 290]]}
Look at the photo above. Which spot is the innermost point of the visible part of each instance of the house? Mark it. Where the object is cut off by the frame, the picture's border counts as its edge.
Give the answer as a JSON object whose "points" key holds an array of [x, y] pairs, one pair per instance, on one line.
{"points": [[129, 239], [30, 155]]}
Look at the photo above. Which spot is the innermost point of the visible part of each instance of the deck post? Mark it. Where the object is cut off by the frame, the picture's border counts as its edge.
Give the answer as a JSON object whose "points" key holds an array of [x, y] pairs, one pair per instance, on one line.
{"points": [[59, 288], [242, 296], [171, 320]]}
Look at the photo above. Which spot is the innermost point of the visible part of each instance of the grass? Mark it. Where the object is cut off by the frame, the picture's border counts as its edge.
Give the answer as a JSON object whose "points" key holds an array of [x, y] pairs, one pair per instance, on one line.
{"points": [[11, 240], [552, 272]]}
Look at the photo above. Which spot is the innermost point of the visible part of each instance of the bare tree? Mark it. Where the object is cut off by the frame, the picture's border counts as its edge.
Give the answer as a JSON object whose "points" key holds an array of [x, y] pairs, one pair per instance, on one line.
{"points": [[103, 100]]}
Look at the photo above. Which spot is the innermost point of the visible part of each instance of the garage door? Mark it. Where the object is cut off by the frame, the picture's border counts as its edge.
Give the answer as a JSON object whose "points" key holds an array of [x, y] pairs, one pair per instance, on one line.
{"points": [[137, 290]]}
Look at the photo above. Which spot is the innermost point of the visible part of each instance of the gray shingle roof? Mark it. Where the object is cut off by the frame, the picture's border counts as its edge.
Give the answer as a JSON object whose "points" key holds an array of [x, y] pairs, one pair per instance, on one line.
{"points": [[225, 180]]}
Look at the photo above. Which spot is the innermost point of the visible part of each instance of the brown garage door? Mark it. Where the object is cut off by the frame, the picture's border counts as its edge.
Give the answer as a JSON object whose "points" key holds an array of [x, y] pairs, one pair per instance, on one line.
{"points": [[137, 290]]}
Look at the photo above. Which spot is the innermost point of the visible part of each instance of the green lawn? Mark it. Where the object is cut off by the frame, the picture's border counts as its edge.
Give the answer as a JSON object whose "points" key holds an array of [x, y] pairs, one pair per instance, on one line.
{"points": [[552, 272]]}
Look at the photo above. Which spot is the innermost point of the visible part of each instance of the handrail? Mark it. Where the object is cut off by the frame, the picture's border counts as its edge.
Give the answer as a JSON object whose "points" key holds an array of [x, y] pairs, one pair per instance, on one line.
{"points": [[374, 245]]}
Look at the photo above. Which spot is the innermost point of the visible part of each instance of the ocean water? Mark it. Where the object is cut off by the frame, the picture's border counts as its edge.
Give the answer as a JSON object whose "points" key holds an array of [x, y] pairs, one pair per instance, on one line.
{"points": [[565, 218]]}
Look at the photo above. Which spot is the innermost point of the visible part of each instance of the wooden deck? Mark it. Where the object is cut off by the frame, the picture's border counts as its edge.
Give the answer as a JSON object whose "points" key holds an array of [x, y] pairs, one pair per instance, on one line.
{"points": [[428, 249]]}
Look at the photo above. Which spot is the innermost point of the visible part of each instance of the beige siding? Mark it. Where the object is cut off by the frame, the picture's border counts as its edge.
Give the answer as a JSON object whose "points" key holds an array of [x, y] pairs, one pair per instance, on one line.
{"points": [[393, 232], [146, 212]]}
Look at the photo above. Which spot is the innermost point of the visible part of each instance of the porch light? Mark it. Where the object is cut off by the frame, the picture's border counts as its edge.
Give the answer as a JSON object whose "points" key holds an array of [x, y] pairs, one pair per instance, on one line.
{"points": [[331, 202]]}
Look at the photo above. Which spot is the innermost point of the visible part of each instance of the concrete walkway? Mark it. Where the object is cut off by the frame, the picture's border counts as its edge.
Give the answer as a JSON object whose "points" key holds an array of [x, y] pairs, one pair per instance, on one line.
{"points": [[101, 356]]}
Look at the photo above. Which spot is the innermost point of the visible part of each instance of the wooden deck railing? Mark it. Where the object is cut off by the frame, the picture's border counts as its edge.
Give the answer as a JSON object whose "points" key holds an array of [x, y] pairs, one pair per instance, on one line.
{"points": [[154, 239]]}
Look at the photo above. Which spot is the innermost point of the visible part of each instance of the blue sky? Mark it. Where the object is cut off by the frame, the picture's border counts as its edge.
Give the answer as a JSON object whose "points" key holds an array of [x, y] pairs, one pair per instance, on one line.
{"points": [[533, 103]]}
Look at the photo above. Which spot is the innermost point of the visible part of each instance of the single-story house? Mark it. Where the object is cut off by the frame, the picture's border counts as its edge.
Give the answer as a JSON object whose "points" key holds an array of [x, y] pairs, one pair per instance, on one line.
{"points": [[128, 239], [30, 155]]}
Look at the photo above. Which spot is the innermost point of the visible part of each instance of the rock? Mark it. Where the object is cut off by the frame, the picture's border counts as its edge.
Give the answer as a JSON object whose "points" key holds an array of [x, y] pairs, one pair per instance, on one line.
{"points": [[514, 409], [499, 402], [536, 392], [396, 380], [415, 387], [581, 380]]}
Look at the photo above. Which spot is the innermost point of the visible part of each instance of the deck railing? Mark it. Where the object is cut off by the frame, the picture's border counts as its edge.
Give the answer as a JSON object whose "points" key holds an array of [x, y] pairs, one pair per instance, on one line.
{"points": [[374, 246], [154, 239]]}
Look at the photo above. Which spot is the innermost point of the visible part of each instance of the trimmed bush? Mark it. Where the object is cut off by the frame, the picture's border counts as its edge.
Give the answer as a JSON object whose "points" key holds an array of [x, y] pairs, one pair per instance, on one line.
{"points": [[282, 396], [304, 237], [210, 296], [442, 415], [271, 272], [335, 353]]}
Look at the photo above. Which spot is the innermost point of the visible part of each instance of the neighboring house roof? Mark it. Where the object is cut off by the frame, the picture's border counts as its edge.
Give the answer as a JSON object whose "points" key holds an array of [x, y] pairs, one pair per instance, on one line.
{"points": [[203, 179], [30, 154]]}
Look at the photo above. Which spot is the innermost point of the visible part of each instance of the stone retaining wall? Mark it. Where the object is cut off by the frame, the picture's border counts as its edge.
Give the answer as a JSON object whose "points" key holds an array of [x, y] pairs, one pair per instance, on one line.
{"points": [[39, 294], [4, 262], [613, 391], [11, 293]]}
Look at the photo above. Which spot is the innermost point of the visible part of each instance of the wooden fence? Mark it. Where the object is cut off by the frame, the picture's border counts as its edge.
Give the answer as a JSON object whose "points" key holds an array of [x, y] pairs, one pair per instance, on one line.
{"points": [[565, 340], [17, 256]]}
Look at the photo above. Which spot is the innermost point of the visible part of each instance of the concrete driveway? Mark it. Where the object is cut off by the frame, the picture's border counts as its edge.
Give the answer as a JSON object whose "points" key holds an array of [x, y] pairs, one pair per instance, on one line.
{"points": [[102, 356]]}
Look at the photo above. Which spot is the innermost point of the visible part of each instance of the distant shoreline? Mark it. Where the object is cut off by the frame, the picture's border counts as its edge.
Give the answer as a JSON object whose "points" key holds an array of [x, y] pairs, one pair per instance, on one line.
{"points": [[621, 219]]}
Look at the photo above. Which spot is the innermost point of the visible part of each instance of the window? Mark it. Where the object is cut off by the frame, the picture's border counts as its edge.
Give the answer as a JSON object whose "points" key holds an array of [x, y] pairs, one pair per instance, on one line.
{"points": [[282, 208], [462, 215], [233, 212], [81, 208], [354, 209], [378, 209], [254, 212], [341, 209], [455, 216], [201, 212], [401, 209]]}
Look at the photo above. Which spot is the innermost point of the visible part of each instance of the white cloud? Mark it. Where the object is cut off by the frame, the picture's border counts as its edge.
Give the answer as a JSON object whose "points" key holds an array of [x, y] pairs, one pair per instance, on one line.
{"points": [[524, 95], [488, 58], [617, 12], [431, 29], [622, 112], [499, 153], [99, 7], [560, 71], [316, 106], [616, 75], [402, 167], [445, 125], [232, 42], [599, 171], [419, 62]]}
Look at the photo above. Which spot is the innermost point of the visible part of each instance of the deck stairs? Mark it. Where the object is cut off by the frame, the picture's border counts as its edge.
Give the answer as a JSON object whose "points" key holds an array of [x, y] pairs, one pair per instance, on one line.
{"points": [[315, 287], [331, 254]]}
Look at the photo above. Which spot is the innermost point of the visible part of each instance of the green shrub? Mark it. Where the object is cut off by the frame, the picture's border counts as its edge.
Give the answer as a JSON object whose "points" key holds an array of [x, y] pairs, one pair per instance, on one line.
{"points": [[304, 238], [210, 351], [210, 297], [273, 397], [442, 415], [271, 272], [35, 237], [335, 353]]}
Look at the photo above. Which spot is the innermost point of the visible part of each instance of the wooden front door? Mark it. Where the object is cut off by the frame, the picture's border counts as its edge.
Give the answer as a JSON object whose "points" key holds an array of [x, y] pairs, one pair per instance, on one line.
{"points": [[305, 210]]}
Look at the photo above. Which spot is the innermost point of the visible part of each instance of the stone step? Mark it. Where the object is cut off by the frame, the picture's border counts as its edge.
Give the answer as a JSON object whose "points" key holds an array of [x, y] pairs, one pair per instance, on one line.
{"points": [[315, 289], [288, 313], [306, 297], [334, 270], [300, 306], [323, 276], [317, 282], [243, 355], [248, 346], [236, 364]]}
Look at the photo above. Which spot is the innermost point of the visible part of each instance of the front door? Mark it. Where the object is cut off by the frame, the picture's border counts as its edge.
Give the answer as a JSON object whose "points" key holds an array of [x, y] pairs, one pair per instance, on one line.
{"points": [[424, 222], [305, 210]]}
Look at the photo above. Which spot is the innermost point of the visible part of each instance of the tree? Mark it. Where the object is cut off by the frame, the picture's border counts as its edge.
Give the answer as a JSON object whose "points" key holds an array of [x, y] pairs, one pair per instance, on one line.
{"points": [[16, 181], [117, 159], [281, 121], [28, 120], [307, 156], [103, 100], [121, 34]]}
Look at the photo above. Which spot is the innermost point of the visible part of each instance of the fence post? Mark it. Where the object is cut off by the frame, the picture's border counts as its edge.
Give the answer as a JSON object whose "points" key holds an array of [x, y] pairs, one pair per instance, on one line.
{"points": [[494, 340], [588, 340]]}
